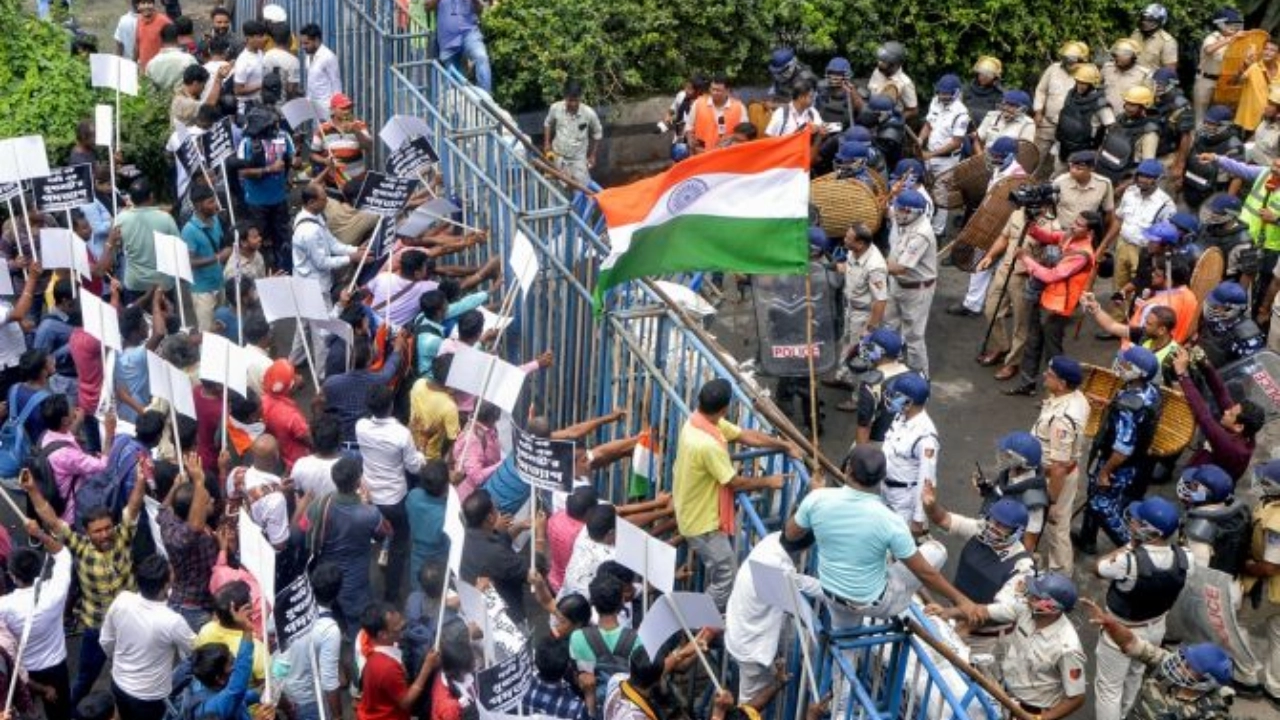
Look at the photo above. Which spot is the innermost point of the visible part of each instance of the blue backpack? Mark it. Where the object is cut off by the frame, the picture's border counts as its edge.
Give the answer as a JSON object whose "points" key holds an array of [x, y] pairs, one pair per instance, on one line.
{"points": [[107, 488], [15, 444]]}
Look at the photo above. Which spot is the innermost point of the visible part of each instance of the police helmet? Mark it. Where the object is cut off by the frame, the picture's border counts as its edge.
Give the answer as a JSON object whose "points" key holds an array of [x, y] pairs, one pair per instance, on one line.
{"points": [[879, 103], [1139, 95], [1185, 222], [1202, 667], [1163, 79], [891, 53], [1135, 363], [909, 206], [1154, 13], [679, 151], [887, 340], [1152, 519], [1125, 46], [1221, 209], [1073, 51], [1150, 168], [1016, 98], [1004, 523], [908, 166], [781, 59], [906, 388], [1227, 16], [839, 66], [1266, 477], [1226, 303], [1162, 233], [1087, 73], [948, 85], [851, 152], [1052, 593], [1018, 449], [987, 65], [1204, 484]]}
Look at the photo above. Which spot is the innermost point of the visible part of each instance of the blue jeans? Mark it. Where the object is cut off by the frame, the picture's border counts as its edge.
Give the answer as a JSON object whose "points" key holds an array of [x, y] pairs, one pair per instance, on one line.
{"points": [[92, 660], [309, 711], [196, 617], [472, 49]]}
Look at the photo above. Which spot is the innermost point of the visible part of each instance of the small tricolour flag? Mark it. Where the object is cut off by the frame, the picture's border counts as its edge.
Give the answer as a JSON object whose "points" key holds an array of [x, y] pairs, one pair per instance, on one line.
{"points": [[643, 466], [742, 209]]}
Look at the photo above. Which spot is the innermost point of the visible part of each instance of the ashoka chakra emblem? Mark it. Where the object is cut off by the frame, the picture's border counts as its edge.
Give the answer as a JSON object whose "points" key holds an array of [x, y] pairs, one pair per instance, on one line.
{"points": [[685, 194]]}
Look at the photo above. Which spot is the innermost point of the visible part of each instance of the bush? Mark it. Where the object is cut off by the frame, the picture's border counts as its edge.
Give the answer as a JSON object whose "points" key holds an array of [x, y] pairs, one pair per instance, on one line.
{"points": [[629, 48]]}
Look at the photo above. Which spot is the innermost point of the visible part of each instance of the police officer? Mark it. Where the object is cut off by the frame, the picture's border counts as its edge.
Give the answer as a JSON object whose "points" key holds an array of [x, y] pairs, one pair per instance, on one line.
{"points": [[834, 103], [1051, 92], [992, 560], [913, 273], [1121, 449], [866, 294], [876, 362], [1218, 526], [889, 79], [786, 71], [1221, 228], [1146, 575], [1042, 663], [875, 161], [1184, 684], [1142, 205], [1227, 22], [983, 93], [910, 448], [1123, 72], [1228, 333], [852, 162], [888, 130], [1085, 114], [941, 141], [1217, 135], [1262, 569], [1177, 121], [1264, 146], [1060, 430], [1010, 119], [1158, 48], [1134, 137], [1019, 476]]}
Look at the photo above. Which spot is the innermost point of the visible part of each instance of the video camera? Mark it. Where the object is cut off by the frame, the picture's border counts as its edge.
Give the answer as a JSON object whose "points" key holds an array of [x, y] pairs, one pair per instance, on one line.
{"points": [[1035, 197]]}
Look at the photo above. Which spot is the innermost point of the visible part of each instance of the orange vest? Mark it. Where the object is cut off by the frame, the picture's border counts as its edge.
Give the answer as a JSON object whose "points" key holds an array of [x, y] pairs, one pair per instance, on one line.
{"points": [[706, 131], [1183, 302], [1061, 297]]}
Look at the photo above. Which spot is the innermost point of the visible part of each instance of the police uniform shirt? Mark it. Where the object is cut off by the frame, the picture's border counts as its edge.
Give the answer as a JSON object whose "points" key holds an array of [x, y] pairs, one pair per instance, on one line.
{"points": [[573, 130], [911, 458], [946, 122], [787, 120], [914, 248], [1051, 92], [1211, 62], [1158, 50], [906, 89], [1041, 666], [1074, 198], [1137, 212], [1060, 427], [994, 126], [1122, 568], [1115, 82], [866, 280]]}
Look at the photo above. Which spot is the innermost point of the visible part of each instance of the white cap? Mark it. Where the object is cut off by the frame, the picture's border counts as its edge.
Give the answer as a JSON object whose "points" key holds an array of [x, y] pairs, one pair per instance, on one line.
{"points": [[274, 13]]}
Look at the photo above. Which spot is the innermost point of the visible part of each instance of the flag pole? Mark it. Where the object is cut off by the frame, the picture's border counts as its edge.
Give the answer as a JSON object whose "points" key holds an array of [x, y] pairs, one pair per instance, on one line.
{"points": [[813, 376]]}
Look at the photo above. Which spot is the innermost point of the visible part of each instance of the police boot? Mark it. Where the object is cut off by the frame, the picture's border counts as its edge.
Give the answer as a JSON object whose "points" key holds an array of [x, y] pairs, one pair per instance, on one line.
{"points": [[1086, 539]]}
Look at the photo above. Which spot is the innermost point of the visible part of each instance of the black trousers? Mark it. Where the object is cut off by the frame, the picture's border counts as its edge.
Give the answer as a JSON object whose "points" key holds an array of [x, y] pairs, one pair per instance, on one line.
{"points": [[59, 679], [1044, 340], [128, 706], [399, 555]]}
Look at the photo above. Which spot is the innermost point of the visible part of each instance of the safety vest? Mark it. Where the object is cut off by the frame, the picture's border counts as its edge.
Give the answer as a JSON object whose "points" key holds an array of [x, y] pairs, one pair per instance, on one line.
{"points": [[1060, 297], [1266, 235], [706, 129], [1183, 302], [1267, 518]]}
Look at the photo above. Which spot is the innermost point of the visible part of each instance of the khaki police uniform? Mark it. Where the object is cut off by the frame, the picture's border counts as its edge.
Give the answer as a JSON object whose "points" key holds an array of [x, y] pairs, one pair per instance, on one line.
{"points": [[1096, 194], [574, 133], [1041, 667], [1207, 76], [1158, 49], [911, 293], [1116, 82], [866, 282], [1060, 430], [1051, 93], [897, 85]]}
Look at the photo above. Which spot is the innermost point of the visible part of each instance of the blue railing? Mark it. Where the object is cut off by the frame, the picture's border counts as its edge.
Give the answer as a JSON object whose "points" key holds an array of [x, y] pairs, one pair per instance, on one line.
{"points": [[641, 356]]}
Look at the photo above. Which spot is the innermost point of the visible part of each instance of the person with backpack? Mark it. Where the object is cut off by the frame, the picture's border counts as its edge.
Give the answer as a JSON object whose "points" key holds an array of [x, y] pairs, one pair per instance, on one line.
{"points": [[221, 685], [110, 488], [550, 695], [602, 650], [53, 334], [61, 463], [35, 367], [104, 568]]}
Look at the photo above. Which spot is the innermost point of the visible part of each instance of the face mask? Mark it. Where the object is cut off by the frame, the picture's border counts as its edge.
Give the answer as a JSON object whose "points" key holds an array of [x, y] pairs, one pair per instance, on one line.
{"points": [[1006, 460], [1043, 605], [996, 536], [1191, 492], [897, 404]]}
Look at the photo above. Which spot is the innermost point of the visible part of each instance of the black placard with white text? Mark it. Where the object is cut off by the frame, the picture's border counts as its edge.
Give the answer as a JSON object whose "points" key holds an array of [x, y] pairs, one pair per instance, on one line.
{"points": [[218, 142], [384, 195], [544, 463], [411, 157], [64, 188]]}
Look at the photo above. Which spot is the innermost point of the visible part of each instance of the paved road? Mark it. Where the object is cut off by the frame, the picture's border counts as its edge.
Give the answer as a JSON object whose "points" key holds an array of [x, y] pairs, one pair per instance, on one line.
{"points": [[971, 413]]}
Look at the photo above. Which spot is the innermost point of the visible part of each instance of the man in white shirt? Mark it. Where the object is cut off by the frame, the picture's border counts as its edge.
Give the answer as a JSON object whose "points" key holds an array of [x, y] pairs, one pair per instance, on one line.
{"points": [[279, 60], [249, 65], [314, 473], [316, 254], [753, 628], [388, 452], [323, 642], [324, 77], [942, 136], [1142, 205], [144, 639], [593, 546], [126, 36], [797, 115], [45, 657], [264, 490]]}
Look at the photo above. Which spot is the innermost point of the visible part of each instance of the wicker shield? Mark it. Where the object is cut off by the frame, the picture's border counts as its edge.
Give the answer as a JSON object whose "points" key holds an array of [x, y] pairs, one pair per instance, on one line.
{"points": [[843, 203], [1205, 278], [969, 181], [984, 227], [1028, 156], [1233, 62], [1174, 428]]}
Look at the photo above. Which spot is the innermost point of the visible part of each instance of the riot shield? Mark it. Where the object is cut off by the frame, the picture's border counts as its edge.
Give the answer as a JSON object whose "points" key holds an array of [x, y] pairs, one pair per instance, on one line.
{"points": [[1257, 378], [780, 323]]}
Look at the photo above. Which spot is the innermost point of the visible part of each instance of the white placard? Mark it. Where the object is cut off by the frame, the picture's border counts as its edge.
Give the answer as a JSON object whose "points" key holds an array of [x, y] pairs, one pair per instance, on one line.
{"points": [[170, 383], [661, 623], [439, 208], [173, 257], [454, 529], [476, 610], [492, 321], [256, 555], [298, 112], [107, 400], [291, 297], [777, 588], [61, 249], [6, 280], [101, 321], [416, 223], [23, 158], [103, 125], [224, 362], [114, 72], [401, 128], [470, 368], [523, 262], [310, 299], [645, 554]]}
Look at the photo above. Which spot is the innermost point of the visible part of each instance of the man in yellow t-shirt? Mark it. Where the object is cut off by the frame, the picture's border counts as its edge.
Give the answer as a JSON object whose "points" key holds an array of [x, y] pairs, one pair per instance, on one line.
{"points": [[433, 413], [704, 478], [218, 630]]}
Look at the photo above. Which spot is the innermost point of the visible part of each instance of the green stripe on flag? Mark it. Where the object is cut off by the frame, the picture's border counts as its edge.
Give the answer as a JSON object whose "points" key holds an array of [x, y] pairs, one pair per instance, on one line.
{"points": [[759, 246]]}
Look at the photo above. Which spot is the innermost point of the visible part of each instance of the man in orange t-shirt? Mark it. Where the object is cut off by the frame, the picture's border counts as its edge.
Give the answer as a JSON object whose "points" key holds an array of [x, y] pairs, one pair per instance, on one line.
{"points": [[150, 23]]}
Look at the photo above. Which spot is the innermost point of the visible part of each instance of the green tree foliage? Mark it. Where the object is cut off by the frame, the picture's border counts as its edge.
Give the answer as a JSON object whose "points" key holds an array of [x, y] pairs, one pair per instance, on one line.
{"points": [[45, 90], [627, 48]]}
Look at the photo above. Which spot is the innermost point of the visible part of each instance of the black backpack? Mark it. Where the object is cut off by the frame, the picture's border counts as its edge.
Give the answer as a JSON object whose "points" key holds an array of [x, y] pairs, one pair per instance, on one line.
{"points": [[44, 477], [609, 662]]}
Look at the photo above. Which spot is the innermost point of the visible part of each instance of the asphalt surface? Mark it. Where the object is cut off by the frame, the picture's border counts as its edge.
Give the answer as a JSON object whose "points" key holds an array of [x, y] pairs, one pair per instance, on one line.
{"points": [[971, 412]]}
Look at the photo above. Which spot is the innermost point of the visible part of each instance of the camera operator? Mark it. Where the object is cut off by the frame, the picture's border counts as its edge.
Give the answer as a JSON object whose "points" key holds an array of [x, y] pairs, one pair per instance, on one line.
{"points": [[1062, 277]]}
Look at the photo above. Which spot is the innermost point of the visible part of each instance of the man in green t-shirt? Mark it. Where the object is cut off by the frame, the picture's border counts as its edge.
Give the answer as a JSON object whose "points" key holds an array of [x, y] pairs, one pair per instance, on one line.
{"points": [[706, 482]]}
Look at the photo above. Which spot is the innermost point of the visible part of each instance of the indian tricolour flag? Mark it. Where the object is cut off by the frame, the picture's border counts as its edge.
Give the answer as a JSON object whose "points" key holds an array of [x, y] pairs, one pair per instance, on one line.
{"points": [[743, 209], [643, 467]]}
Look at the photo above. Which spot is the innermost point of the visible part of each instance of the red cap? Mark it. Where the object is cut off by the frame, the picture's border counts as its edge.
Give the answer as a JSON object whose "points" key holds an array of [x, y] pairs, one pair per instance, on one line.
{"points": [[340, 102]]}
